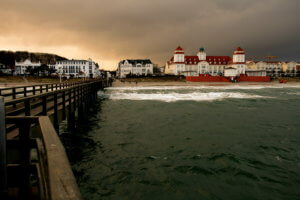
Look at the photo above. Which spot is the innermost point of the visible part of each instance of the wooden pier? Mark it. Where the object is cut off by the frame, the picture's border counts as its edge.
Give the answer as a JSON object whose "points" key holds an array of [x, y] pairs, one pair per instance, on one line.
{"points": [[33, 162]]}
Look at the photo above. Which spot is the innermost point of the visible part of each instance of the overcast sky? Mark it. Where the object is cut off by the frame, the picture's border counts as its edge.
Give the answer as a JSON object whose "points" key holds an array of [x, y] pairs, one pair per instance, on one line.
{"points": [[110, 30]]}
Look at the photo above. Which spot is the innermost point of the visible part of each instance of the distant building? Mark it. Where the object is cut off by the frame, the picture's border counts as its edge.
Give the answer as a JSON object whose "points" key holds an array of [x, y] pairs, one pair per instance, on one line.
{"points": [[22, 67], [139, 67], [161, 69], [274, 68], [180, 64], [256, 72], [77, 68], [4, 69]]}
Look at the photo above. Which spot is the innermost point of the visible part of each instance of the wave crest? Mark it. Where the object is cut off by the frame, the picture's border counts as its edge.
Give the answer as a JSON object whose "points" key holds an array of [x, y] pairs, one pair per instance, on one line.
{"points": [[172, 97]]}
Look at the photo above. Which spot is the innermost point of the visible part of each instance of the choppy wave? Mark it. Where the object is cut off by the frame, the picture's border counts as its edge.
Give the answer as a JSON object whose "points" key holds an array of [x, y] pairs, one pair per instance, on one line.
{"points": [[172, 97], [224, 87], [293, 93]]}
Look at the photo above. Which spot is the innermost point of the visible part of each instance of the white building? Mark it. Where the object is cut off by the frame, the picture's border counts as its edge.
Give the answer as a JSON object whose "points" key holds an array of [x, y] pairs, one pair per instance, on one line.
{"points": [[77, 68], [4, 69], [140, 67], [21, 67], [180, 64], [274, 68]]}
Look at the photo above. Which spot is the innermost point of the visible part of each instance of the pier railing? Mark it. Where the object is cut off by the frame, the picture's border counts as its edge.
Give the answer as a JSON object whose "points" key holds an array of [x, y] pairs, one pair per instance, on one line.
{"points": [[65, 100], [45, 174], [33, 162], [28, 90]]}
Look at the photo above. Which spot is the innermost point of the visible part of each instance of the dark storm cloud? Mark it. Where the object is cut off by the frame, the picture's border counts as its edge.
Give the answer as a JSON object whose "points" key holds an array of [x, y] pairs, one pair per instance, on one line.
{"points": [[117, 29]]}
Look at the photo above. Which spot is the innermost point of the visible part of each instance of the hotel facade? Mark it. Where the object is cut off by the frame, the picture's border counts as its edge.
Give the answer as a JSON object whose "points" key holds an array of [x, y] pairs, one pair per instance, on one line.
{"points": [[201, 64], [77, 68], [180, 64]]}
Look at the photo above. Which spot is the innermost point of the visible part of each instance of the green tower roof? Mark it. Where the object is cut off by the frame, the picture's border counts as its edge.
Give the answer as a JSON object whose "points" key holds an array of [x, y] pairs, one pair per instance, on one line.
{"points": [[201, 49]]}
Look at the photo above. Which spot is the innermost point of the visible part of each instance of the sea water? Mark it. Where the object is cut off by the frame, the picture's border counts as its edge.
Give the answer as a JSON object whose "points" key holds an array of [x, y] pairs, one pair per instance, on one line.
{"points": [[197, 142]]}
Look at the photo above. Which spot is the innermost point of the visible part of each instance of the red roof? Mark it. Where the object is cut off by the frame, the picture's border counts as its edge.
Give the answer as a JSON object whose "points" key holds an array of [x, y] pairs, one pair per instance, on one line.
{"points": [[191, 60], [179, 48], [212, 60], [239, 49], [218, 60]]}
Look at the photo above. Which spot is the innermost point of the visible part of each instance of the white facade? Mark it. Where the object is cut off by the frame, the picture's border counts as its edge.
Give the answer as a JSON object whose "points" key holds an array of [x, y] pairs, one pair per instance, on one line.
{"points": [[253, 72], [275, 68], [180, 64], [77, 68], [230, 72], [135, 67], [239, 61], [21, 67]]}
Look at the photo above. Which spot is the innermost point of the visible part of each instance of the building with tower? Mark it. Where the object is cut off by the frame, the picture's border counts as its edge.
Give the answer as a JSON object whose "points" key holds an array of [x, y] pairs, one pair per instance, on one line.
{"points": [[180, 64]]}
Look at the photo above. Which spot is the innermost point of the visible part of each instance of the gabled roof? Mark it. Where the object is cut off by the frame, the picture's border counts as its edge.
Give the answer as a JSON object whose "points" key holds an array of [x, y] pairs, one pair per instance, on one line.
{"points": [[137, 61]]}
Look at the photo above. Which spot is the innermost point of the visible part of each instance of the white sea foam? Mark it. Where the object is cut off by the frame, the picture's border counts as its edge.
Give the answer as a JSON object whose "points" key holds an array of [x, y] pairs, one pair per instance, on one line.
{"points": [[293, 93], [225, 87], [172, 97]]}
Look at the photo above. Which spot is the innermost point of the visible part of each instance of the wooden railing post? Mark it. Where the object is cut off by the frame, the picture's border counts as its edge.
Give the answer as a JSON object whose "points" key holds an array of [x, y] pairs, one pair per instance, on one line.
{"points": [[14, 96], [70, 111], [24, 135], [3, 166], [44, 112], [74, 99], [14, 93], [80, 108], [78, 96], [55, 117], [64, 105], [33, 90], [52, 88], [25, 91], [41, 89], [27, 107], [47, 88]]}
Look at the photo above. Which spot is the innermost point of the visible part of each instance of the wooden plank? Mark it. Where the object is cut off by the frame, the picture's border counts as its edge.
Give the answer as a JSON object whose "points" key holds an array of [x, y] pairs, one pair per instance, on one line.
{"points": [[62, 182]]}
